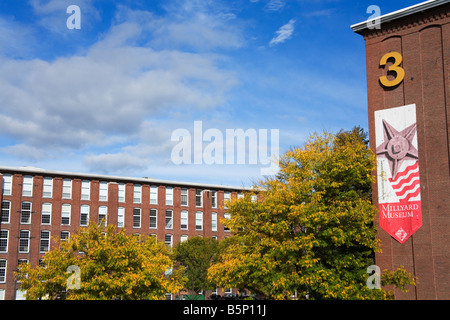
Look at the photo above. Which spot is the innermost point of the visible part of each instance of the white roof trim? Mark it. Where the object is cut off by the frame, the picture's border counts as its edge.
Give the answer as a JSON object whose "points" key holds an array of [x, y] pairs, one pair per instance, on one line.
{"points": [[119, 178], [358, 27]]}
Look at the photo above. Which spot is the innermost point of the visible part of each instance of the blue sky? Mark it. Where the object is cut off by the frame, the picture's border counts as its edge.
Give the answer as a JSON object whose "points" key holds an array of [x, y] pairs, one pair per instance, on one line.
{"points": [[107, 97]]}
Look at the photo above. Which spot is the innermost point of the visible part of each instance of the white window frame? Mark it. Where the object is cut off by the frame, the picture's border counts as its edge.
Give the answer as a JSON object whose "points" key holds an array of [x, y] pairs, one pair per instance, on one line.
{"points": [[184, 237], [184, 195], [3, 269], [2, 238], [22, 212], [85, 190], [184, 220], [226, 197], [67, 189], [199, 221], [121, 192], [140, 217], [214, 199], [103, 191], [7, 185], [27, 239], [197, 194], [103, 213], [168, 220], [153, 194], [213, 221], [47, 187], [120, 217], [65, 232], [27, 186], [153, 217], [5, 212], [137, 193], [66, 213], [46, 211], [44, 242], [226, 216], [83, 211], [169, 196], [168, 243]]}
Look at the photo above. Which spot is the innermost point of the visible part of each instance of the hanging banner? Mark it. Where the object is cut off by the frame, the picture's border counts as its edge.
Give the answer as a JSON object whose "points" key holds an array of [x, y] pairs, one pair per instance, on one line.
{"points": [[398, 171]]}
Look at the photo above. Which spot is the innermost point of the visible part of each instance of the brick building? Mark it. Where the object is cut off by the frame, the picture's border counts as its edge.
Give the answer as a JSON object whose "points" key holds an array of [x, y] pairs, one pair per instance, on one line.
{"points": [[37, 204], [417, 41]]}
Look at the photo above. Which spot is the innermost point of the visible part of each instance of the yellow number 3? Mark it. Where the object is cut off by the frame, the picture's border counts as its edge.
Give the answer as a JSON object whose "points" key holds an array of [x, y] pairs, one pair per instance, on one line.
{"points": [[395, 67]]}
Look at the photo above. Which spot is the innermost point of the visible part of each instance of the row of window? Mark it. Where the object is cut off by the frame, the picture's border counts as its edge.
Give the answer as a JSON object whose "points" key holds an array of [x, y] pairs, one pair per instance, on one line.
{"points": [[27, 191], [66, 213]]}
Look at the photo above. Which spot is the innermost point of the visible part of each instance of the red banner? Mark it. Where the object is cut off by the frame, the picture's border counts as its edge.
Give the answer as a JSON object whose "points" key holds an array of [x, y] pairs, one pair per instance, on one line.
{"points": [[398, 175]]}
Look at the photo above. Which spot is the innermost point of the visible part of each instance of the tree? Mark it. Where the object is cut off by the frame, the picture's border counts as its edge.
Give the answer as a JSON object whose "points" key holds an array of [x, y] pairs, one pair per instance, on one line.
{"points": [[196, 255], [312, 232], [113, 265]]}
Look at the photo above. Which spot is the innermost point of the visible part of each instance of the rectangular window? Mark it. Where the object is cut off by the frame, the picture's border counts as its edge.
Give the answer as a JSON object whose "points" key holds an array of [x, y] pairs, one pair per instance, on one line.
{"points": [[136, 217], [153, 194], [5, 213], [183, 238], [47, 191], [2, 271], [85, 190], [153, 218], [103, 191], [137, 193], [65, 214], [169, 219], [169, 196], [199, 220], [4, 241], [44, 244], [120, 217], [214, 199], [254, 198], [213, 221], [84, 215], [184, 220], [226, 198], [27, 186], [24, 241], [103, 215], [25, 213], [226, 216], [7, 184], [67, 189], [121, 192], [184, 196], [198, 198], [46, 215], [240, 195], [168, 240]]}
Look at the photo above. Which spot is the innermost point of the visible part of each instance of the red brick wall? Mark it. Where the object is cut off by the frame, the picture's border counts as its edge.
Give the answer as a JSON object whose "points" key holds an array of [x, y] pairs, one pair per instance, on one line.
{"points": [[423, 40]]}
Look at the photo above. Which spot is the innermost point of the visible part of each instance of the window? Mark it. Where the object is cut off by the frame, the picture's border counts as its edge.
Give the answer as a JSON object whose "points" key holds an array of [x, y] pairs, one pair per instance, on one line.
{"points": [[4, 241], [84, 215], [65, 214], [2, 271], [240, 195], [137, 193], [103, 215], [254, 198], [168, 240], [213, 221], [121, 192], [25, 213], [198, 197], [24, 241], [44, 244], [169, 196], [5, 213], [103, 191], [226, 198], [27, 186], [169, 219], [7, 184], [47, 191], [136, 217], [153, 218], [67, 189], [184, 196], [183, 238], [153, 194], [184, 220], [199, 220], [46, 215], [226, 216], [120, 217], [85, 190], [64, 235], [214, 199]]}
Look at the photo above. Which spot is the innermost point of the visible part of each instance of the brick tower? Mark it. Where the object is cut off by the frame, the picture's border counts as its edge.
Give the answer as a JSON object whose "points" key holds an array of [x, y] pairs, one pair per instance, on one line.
{"points": [[408, 70]]}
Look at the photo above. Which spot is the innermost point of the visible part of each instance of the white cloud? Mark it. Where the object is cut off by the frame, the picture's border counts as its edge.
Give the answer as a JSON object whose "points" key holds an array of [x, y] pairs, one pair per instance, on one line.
{"points": [[284, 33], [274, 5]]}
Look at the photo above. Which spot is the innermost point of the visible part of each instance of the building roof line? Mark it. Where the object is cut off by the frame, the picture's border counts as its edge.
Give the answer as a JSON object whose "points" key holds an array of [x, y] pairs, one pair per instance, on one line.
{"points": [[361, 26], [144, 180]]}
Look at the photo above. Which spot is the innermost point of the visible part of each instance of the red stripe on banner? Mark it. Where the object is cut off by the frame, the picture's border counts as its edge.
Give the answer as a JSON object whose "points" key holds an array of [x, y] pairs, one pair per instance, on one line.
{"points": [[411, 195], [402, 182], [401, 191], [401, 174]]}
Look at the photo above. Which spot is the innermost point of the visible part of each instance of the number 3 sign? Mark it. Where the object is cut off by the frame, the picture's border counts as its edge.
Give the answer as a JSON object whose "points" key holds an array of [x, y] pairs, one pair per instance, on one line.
{"points": [[400, 73]]}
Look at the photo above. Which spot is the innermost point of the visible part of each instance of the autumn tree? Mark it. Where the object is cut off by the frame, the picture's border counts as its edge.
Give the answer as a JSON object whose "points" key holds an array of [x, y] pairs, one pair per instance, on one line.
{"points": [[197, 254], [312, 232], [112, 265]]}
